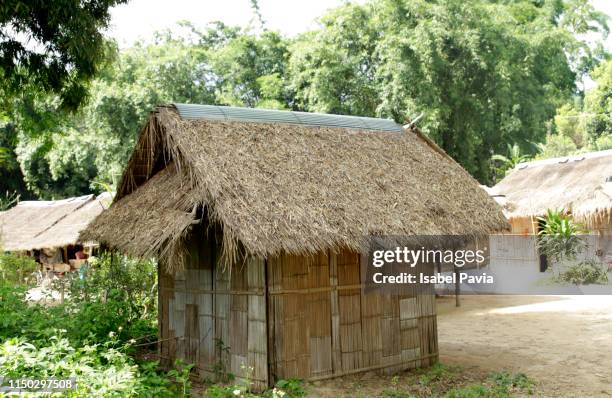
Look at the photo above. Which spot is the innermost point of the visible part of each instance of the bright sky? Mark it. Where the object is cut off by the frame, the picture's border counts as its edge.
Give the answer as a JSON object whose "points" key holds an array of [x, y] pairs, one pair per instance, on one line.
{"points": [[138, 19]]}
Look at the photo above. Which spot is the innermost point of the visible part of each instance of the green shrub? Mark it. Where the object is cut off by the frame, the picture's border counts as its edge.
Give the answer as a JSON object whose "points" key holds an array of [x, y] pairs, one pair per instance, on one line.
{"points": [[101, 370], [17, 270], [90, 335], [585, 273], [558, 238], [117, 294]]}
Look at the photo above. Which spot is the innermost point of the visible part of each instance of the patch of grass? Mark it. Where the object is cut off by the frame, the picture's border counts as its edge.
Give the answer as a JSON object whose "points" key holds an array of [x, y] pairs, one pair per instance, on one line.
{"points": [[498, 385], [437, 373], [394, 391], [476, 391], [513, 382]]}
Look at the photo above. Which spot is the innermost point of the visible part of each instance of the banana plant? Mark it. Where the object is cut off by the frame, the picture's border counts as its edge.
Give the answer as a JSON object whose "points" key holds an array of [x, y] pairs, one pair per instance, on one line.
{"points": [[509, 162], [558, 237]]}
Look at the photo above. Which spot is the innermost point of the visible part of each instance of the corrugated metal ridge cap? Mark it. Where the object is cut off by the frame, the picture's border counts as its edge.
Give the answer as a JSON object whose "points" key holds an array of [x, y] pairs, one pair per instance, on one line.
{"points": [[564, 159], [237, 114]]}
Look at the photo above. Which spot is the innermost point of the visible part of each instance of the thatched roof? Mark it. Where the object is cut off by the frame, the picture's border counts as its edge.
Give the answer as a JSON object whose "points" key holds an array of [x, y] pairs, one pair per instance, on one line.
{"points": [[45, 224], [289, 187], [579, 184]]}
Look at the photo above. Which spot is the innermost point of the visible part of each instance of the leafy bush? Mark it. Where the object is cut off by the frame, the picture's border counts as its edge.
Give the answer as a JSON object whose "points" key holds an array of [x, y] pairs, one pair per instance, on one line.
{"points": [[88, 337], [102, 370], [585, 273], [17, 270], [558, 238], [117, 294]]}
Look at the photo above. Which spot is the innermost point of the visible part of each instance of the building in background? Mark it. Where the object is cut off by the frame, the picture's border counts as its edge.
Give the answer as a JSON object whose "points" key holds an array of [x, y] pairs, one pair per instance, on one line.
{"points": [[49, 230]]}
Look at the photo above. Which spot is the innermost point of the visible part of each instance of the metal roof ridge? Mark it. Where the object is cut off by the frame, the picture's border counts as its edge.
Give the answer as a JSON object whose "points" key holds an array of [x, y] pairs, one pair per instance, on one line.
{"points": [[241, 114]]}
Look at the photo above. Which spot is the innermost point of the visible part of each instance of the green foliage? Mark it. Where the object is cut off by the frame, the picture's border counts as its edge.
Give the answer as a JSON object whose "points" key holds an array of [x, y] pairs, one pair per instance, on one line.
{"points": [[118, 294], [437, 372], [584, 273], [11, 177], [103, 370], [291, 388], [570, 123], [118, 297], [91, 335], [394, 391], [485, 74], [506, 163], [54, 46], [8, 200], [502, 385], [556, 146], [250, 71], [604, 142], [597, 102], [16, 269], [219, 368], [587, 125], [519, 381], [558, 237]]}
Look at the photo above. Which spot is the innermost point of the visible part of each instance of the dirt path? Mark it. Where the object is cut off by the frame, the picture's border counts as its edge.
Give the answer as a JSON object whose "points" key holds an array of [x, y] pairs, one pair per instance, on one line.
{"points": [[565, 343]]}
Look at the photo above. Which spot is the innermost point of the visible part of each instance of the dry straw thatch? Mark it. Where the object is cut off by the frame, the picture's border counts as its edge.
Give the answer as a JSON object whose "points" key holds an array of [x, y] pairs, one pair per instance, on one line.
{"points": [[276, 187], [46, 224], [576, 184]]}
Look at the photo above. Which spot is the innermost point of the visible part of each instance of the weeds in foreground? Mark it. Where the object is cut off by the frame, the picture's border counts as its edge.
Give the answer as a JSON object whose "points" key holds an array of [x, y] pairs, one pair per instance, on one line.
{"points": [[441, 381]]}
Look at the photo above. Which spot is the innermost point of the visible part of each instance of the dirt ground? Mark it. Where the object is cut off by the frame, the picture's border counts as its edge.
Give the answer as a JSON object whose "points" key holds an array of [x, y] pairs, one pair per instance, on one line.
{"points": [[564, 343]]}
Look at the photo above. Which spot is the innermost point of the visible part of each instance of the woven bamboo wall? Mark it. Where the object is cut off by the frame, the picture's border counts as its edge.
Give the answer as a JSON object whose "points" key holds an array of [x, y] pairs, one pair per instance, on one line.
{"points": [[214, 318], [322, 324], [312, 320]]}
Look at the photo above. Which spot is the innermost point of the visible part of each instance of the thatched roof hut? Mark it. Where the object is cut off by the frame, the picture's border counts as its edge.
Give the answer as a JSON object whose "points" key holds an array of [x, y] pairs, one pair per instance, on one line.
{"points": [[291, 198], [580, 185], [48, 224], [297, 188]]}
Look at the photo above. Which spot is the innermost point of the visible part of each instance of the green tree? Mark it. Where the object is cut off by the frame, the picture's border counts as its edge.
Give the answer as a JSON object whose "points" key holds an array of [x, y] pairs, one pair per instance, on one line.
{"points": [[556, 146], [52, 46], [571, 122], [249, 70], [61, 156], [598, 102], [485, 74], [12, 184], [585, 125], [66, 155]]}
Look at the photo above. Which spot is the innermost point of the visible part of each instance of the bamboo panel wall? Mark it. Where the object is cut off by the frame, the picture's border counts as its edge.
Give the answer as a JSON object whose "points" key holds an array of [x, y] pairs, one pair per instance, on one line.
{"points": [[215, 318], [322, 324]]}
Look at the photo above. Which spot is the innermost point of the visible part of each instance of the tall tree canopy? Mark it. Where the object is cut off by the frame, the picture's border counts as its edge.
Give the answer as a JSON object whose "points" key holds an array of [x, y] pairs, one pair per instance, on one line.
{"points": [[64, 155], [484, 74], [53, 46], [487, 76]]}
